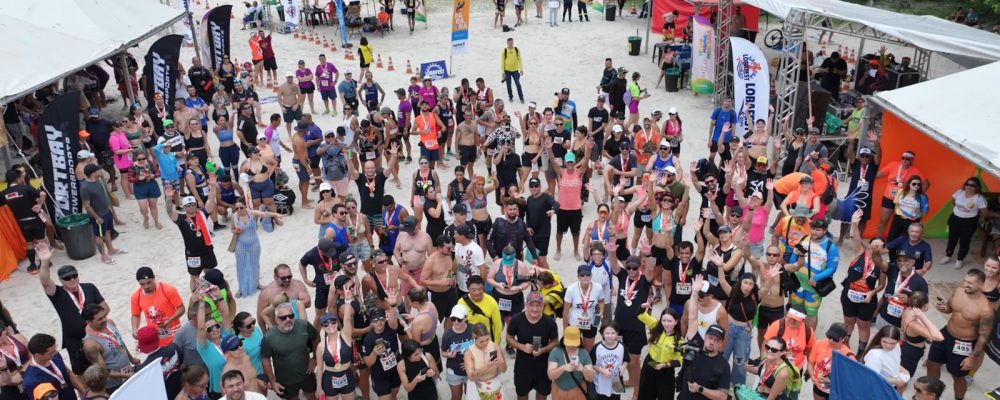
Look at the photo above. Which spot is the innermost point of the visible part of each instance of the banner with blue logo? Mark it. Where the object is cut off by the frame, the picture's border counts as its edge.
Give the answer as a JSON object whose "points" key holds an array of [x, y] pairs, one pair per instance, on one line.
{"points": [[751, 83], [434, 70]]}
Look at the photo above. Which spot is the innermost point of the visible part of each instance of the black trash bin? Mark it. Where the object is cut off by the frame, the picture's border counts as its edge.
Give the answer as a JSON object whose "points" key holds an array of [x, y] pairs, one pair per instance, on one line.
{"points": [[673, 79], [77, 235], [610, 11], [634, 45]]}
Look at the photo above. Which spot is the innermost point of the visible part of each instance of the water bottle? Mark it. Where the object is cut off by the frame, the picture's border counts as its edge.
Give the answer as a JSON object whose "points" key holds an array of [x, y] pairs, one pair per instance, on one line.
{"points": [[210, 167]]}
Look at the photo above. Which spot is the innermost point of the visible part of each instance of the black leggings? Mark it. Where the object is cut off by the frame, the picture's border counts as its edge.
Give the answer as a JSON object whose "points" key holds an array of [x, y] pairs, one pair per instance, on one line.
{"points": [[655, 384], [898, 227], [960, 231], [567, 10], [581, 10]]}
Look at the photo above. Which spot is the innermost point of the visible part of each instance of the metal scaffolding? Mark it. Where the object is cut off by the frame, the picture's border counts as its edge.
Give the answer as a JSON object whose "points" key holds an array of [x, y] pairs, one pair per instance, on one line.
{"points": [[723, 69]]}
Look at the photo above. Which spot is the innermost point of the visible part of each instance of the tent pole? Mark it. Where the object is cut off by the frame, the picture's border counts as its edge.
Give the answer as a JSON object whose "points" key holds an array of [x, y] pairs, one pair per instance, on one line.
{"points": [[194, 33], [649, 24], [128, 77]]}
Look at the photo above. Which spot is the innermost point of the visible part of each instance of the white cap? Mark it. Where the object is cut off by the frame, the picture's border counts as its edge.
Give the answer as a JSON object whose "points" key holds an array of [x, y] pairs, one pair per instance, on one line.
{"points": [[673, 110], [656, 111], [325, 186], [290, 73], [665, 143], [671, 170], [186, 200], [261, 135], [84, 154], [347, 71], [459, 311], [705, 286], [532, 104], [618, 128]]}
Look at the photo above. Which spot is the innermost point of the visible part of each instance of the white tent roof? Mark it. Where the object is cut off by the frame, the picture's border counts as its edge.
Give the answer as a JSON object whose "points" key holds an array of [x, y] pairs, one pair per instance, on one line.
{"points": [[49, 39], [956, 110], [927, 32]]}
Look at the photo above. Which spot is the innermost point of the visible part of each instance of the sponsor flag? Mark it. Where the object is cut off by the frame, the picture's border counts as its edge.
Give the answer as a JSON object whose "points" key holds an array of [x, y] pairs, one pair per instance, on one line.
{"points": [[292, 10], [147, 384], [751, 83], [460, 27], [215, 30], [847, 375], [703, 57], [187, 30], [343, 26], [58, 144], [598, 6], [161, 70]]}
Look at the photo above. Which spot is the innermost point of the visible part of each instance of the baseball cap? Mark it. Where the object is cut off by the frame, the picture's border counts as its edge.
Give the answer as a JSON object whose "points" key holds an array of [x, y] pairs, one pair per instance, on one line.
{"points": [[42, 390], [818, 223], [385, 110], [622, 71], [672, 110], [90, 169], [664, 143], [624, 145], [762, 160], [347, 258], [836, 332], [348, 72], [289, 74], [144, 272], [800, 212], [459, 311], [657, 111], [564, 90], [230, 343], [325, 187], [717, 331], [214, 276], [726, 228], [93, 112], [377, 314], [813, 129], [534, 297], [329, 317], [327, 247], [148, 339], [532, 104], [302, 62], [534, 182], [262, 135], [601, 98], [736, 210], [188, 200], [866, 152], [464, 231], [796, 312], [66, 270], [617, 129], [569, 157], [168, 122], [571, 336], [806, 179], [583, 268], [84, 154], [460, 208], [671, 170], [757, 194], [409, 224], [907, 253], [83, 133]]}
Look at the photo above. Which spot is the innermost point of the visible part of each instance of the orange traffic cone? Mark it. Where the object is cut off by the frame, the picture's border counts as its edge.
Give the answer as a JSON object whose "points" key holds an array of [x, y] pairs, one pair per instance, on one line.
{"points": [[333, 45], [326, 43], [391, 68], [295, 35], [206, 5], [633, 10], [409, 68], [378, 61], [270, 85], [316, 39]]}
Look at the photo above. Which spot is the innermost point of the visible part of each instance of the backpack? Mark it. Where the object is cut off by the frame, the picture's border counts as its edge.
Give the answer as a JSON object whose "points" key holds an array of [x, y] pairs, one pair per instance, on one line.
{"points": [[794, 384], [476, 310], [830, 193], [517, 52], [781, 330]]}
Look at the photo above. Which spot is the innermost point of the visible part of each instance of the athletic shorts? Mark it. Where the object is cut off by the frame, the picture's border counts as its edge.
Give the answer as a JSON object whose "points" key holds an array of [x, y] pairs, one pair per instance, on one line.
{"points": [[146, 190], [526, 160], [660, 255], [308, 385], [322, 296], [262, 190], [33, 229], [569, 220], [951, 352], [442, 300], [643, 218], [888, 204], [328, 94], [767, 315], [314, 161], [808, 299], [384, 383], [270, 64], [634, 341], [308, 90], [467, 154], [204, 260], [289, 115], [483, 227], [301, 172], [347, 386], [861, 311], [430, 155], [541, 245], [527, 379], [107, 226]]}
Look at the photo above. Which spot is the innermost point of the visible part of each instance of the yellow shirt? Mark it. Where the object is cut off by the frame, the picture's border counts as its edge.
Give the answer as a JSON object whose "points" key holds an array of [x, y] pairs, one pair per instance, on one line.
{"points": [[366, 54], [490, 316], [664, 348], [510, 59], [553, 296]]}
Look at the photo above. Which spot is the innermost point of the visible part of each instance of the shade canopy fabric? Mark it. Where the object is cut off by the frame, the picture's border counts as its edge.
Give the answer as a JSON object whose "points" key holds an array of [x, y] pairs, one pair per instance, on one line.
{"points": [[927, 32], [957, 110], [47, 40]]}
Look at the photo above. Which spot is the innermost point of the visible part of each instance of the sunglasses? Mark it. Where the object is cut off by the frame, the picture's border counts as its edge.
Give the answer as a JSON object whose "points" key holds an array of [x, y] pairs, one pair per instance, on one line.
{"points": [[771, 349], [735, 215], [664, 148], [915, 184], [971, 185], [456, 319], [424, 163], [773, 254], [328, 323], [213, 327], [285, 278], [583, 274], [908, 158], [286, 317], [69, 277], [602, 212], [251, 324], [342, 213], [710, 182], [141, 159], [632, 268]]}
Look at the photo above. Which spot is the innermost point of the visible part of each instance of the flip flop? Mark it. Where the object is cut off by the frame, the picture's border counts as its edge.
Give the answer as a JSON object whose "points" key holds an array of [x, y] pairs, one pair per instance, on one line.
{"points": [[109, 262], [120, 251]]}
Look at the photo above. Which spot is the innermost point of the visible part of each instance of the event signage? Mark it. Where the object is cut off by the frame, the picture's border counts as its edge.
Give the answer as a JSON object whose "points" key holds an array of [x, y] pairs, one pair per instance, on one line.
{"points": [[161, 69], [58, 144], [434, 70], [188, 30], [343, 26], [751, 83], [292, 15], [216, 34], [703, 56], [147, 383], [460, 27]]}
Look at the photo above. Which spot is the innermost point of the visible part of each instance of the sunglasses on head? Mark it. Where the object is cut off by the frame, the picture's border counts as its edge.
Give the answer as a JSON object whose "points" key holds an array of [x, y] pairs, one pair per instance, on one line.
{"points": [[286, 317], [70, 277]]}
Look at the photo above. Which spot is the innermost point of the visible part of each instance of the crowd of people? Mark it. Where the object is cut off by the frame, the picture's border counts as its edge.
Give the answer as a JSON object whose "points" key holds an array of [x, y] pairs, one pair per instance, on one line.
{"points": [[431, 290]]}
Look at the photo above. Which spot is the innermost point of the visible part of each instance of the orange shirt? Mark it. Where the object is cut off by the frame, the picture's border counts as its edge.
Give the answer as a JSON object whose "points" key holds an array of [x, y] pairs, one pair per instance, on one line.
{"points": [[786, 184], [795, 339], [641, 138], [791, 233], [255, 52], [821, 360], [820, 180], [157, 308], [896, 177], [428, 129]]}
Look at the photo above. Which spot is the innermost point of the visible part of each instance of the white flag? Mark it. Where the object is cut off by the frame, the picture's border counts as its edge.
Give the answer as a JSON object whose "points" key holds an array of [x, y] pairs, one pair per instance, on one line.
{"points": [[751, 83], [147, 384]]}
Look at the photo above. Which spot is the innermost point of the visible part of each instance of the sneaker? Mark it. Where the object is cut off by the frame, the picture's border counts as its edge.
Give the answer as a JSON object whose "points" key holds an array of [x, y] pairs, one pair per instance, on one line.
{"points": [[217, 226], [958, 264], [945, 260]]}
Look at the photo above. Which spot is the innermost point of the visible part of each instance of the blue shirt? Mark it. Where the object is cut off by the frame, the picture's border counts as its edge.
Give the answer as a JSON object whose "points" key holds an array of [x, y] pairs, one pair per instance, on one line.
{"points": [[349, 88], [721, 117], [823, 258], [215, 361], [922, 250], [314, 132], [168, 163], [34, 376], [251, 346], [197, 102]]}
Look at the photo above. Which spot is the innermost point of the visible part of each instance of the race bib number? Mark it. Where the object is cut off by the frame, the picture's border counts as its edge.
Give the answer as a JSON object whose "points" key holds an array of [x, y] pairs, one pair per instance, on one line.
{"points": [[329, 278], [626, 181], [855, 296], [339, 381], [194, 262], [962, 348], [370, 155], [583, 322], [863, 185], [505, 305], [430, 144], [557, 140], [683, 289], [646, 218], [894, 308], [388, 361]]}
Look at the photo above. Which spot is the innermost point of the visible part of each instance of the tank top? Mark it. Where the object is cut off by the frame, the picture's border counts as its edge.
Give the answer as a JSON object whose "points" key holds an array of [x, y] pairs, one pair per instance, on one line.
{"points": [[706, 320], [225, 135], [480, 358], [195, 142], [658, 223], [17, 357], [371, 92], [861, 278], [570, 188], [423, 390], [477, 202], [112, 351], [791, 154], [660, 165], [360, 319], [993, 295], [339, 234], [445, 111], [602, 233], [391, 220], [342, 353], [434, 323], [435, 226], [422, 183], [227, 195]]}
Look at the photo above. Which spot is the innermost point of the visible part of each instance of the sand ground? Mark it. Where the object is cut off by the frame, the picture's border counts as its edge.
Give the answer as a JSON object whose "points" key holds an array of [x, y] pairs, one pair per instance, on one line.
{"points": [[570, 55]]}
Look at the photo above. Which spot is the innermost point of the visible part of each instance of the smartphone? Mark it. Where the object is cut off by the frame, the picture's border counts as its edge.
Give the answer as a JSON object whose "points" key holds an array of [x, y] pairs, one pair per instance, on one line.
{"points": [[423, 371], [493, 355], [801, 248], [536, 343]]}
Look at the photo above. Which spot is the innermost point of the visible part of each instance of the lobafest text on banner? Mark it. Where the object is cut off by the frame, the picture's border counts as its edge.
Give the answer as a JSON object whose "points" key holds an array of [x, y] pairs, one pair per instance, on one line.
{"points": [[751, 83], [58, 143]]}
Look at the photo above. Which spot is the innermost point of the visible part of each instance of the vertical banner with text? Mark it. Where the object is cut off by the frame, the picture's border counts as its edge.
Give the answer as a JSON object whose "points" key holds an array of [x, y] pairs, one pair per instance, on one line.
{"points": [[751, 83], [703, 57], [187, 30], [58, 143], [292, 11], [460, 27], [215, 30], [343, 26], [161, 70]]}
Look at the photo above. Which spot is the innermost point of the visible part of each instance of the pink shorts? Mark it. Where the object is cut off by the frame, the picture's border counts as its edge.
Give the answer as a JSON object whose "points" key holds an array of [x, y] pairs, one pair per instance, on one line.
{"points": [[633, 107]]}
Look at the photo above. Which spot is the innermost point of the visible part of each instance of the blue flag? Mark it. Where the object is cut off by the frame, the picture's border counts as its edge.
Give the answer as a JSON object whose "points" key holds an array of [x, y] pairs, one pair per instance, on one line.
{"points": [[850, 380], [343, 23]]}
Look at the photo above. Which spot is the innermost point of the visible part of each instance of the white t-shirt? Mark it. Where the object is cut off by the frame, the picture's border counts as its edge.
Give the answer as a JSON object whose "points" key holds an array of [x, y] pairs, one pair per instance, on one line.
{"points": [[468, 259], [602, 277], [574, 300], [553, 3], [610, 359], [886, 363], [967, 207], [274, 141], [250, 396]]}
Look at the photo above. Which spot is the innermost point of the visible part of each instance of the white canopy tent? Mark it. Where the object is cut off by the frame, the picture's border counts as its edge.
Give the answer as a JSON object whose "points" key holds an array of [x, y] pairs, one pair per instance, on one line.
{"points": [[956, 110], [927, 32], [48, 40]]}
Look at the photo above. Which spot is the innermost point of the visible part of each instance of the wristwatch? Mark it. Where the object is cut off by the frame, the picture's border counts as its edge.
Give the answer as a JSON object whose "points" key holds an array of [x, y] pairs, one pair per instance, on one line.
{"points": [[701, 389]]}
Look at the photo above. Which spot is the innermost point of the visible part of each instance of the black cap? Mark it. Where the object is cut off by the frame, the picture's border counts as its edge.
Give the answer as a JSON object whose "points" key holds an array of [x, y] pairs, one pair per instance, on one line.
{"points": [[408, 224], [565, 90], [460, 209], [215, 277], [534, 182], [464, 231], [717, 331], [144, 273], [90, 169], [377, 314], [624, 145], [327, 247], [347, 258], [302, 126], [66, 270], [907, 253], [818, 223]]}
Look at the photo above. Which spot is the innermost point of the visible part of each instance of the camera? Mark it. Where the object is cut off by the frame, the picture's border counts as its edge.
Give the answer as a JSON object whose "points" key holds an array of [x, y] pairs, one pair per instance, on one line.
{"points": [[690, 349]]}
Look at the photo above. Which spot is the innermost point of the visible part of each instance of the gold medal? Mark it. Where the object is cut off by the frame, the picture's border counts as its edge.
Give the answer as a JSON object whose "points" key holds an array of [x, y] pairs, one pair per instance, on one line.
{"points": [[628, 303]]}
